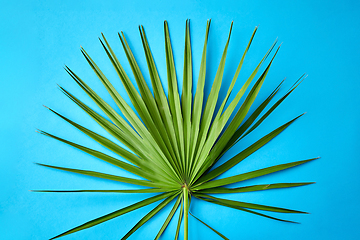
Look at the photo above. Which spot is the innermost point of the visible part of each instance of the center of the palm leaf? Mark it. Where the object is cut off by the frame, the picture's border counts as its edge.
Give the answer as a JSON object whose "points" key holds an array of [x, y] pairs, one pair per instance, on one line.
{"points": [[185, 186]]}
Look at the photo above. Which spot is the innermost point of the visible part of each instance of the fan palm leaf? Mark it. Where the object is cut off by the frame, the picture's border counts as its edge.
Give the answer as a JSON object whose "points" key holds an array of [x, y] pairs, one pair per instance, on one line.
{"points": [[173, 142]]}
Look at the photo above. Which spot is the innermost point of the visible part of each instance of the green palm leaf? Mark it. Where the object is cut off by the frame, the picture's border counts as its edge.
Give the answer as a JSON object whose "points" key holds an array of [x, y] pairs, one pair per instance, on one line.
{"points": [[247, 205], [115, 214], [244, 154], [148, 190], [172, 143], [210, 227], [149, 215], [179, 220], [250, 175], [246, 210], [253, 188], [168, 219], [104, 176]]}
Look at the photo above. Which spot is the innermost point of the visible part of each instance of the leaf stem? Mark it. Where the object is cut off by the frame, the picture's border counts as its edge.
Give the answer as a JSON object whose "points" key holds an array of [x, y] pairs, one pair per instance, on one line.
{"points": [[186, 212]]}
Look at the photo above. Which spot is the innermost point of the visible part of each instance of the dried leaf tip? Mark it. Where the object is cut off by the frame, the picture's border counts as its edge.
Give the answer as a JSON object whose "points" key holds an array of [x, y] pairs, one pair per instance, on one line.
{"points": [[301, 115]]}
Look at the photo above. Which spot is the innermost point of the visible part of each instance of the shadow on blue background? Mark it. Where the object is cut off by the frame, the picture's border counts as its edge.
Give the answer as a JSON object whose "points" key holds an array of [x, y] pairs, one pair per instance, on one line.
{"points": [[321, 39]]}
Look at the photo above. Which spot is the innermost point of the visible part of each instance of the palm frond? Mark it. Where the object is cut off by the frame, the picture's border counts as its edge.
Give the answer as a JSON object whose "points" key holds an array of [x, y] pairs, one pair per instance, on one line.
{"points": [[173, 142]]}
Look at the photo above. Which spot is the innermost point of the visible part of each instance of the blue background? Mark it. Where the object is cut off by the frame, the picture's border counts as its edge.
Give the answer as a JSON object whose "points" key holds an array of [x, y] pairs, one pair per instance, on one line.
{"points": [[320, 38]]}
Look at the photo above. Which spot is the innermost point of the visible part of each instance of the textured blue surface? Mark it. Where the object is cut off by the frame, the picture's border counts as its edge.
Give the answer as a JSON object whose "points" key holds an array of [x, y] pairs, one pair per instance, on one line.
{"points": [[320, 38]]}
